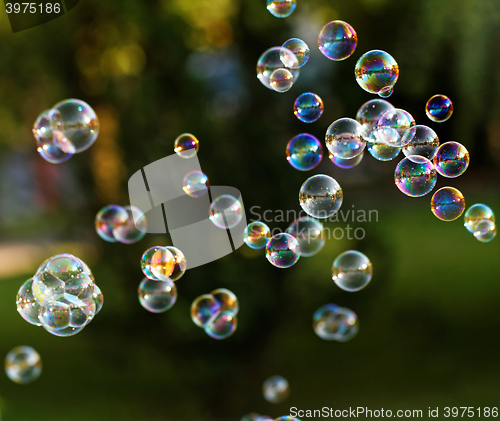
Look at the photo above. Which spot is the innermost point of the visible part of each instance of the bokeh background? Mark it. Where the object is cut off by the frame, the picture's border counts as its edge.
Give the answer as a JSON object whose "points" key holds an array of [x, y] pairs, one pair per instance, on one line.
{"points": [[429, 320]]}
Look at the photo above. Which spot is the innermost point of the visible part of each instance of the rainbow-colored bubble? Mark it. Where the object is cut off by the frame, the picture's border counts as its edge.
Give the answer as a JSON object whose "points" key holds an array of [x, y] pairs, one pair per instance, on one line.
{"points": [[415, 176], [448, 204], [337, 40], [308, 107], [283, 250], [352, 271], [256, 235], [304, 152], [377, 72], [451, 159], [439, 108]]}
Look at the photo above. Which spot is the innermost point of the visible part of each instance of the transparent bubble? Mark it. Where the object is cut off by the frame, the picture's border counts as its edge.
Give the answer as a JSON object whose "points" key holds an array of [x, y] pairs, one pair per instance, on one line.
{"points": [[281, 8], [283, 250], [337, 40], [281, 80], [346, 164], [286, 418], [334, 323], [204, 310], [475, 214], [64, 333], [226, 211], [376, 70], [386, 92], [352, 271], [157, 296], [77, 122], [309, 233], [81, 313], [451, 159], [107, 219], [304, 152], [26, 304], [195, 184], [55, 316], [300, 53], [276, 389], [222, 326], [392, 127], [448, 204], [47, 147], [180, 263], [344, 138], [162, 264], [308, 107], [439, 108], [133, 229], [320, 196], [146, 261], [186, 145], [424, 142], [369, 113], [227, 300], [268, 62], [23, 365], [380, 150], [485, 231], [256, 235], [415, 176]]}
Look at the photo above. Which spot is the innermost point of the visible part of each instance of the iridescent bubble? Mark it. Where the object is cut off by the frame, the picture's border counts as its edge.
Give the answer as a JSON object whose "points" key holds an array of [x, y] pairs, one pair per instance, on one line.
{"points": [[227, 300], [369, 113], [308, 107], [223, 326], [337, 40], [162, 264], [300, 53], [451, 159], [475, 214], [286, 418], [77, 122], [256, 235], [23, 365], [352, 271], [304, 152], [346, 163], [392, 127], [320, 196], [281, 80], [47, 147], [309, 233], [133, 229], [64, 333], [439, 108], [380, 150], [448, 204], [375, 71], [485, 231], [344, 138], [226, 211], [186, 145], [281, 8], [195, 184], [415, 176], [334, 323], [98, 298], [276, 389], [55, 316], [283, 250], [268, 62], [204, 310], [180, 263], [157, 296], [26, 304], [424, 142], [386, 92], [107, 219]]}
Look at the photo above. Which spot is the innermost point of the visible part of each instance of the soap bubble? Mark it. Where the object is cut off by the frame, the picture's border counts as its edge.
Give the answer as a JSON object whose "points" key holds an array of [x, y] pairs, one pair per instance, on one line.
{"points": [[415, 176], [320, 196], [186, 145], [204, 310], [304, 152], [47, 147], [376, 70], [346, 163], [475, 214], [337, 40], [448, 204], [334, 323], [369, 113], [286, 418], [380, 150], [157, 263], [300, 53], [344, 138], [227, 300], [451, 159], [268, 62], [23, 365], [256, 235], [424, 142], [55, 316], [308, 107], [276, 389], [485, 231], [281, 80], [352, 271], [180, 264], [226, 211], [222, 326], [157, 296], [309, 233], [26, 304], [283, 250], [386, 92], [439, 108], [98, 298], [133, 229], [281, 8], [195, 184], [392, 127], [107, 219]]}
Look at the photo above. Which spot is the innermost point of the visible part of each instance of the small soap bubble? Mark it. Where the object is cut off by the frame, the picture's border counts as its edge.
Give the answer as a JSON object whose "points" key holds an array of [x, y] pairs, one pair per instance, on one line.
{"points": [[195, 184], [308, 107], [424, 142], [204, 310], [55, 316], [186, 145], [226, 211], [304, 152], [276, 389], [281, 80], [283, 250], [256, 235], [309, 233], [485, 231], [392, 127], [133, 229], [352, 271], [222, 326], [26, 304], [286, 418], [475, 214], [107, 219], [346, 164], [380, 150], [23, 365], [376, 71], [281, 8], [439, 108], [157, 261], [344, 138], [369, 113], [157, 296], [451, 159], [227, 300], [448, 204], [337, 40], [47, 146], [415, 176], [300, 53], [270, 61], [334, 323], [320, 196], [386, 92], [180, 263]]}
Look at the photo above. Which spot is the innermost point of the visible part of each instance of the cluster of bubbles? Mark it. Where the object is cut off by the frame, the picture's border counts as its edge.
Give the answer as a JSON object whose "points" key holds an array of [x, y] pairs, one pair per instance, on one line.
{"points": [[23, 365], [276, 389], [69, 127], [62, 296], [216, 313], [124, 224], [480, 221], [334, 323]]}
